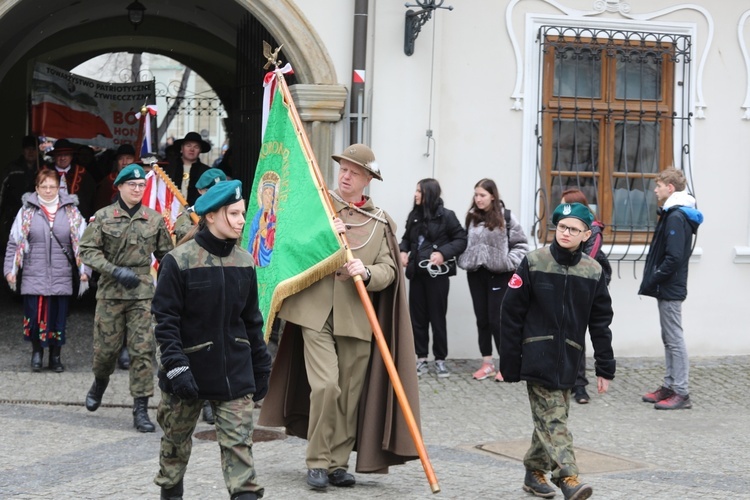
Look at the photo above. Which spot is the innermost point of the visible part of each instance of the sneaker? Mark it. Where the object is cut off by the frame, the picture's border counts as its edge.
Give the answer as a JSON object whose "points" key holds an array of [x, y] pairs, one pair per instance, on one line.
{"points": [[422, 368], [486, 371], [674, 402], [499, 377], [442, 370], [656, 396], [573, 489], [580, 395], [536, 482]]}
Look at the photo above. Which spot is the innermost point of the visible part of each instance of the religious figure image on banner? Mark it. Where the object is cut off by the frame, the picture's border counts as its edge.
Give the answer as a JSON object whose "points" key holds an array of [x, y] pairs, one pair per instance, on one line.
{"points": [[263, 228]]}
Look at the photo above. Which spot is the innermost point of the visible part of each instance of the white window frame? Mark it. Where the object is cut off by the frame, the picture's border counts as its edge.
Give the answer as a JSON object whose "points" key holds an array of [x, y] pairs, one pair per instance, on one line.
{"points": [[531, 93]]}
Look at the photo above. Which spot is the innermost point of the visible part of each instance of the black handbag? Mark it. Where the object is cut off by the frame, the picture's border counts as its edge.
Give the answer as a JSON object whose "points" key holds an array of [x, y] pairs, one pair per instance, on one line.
{"points": [[76, 275]]}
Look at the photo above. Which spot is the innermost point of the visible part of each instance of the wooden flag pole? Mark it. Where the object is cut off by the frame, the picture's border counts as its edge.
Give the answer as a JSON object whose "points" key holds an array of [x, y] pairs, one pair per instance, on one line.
{"points": [[176, 192], [141, 130], [367, 303]]}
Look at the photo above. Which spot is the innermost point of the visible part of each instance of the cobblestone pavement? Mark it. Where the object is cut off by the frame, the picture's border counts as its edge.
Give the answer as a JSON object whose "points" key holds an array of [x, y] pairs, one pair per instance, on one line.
{"points": [[53, 448]]}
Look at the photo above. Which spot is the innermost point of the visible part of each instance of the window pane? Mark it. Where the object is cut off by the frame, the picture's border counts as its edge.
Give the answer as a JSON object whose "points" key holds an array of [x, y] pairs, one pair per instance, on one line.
{"points": [[578, 73], [575, 145], [638, 76], [559, 183], [634, 204], [637, 147]]}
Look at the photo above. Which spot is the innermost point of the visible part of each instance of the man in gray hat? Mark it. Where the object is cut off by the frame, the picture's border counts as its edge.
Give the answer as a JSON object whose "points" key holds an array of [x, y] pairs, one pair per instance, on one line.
{"points": [[186, 170], [328, 319]]}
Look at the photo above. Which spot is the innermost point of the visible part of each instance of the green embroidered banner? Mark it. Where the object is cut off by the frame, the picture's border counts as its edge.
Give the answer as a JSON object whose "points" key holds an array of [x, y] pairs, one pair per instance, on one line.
{"points": [[288, 229]]}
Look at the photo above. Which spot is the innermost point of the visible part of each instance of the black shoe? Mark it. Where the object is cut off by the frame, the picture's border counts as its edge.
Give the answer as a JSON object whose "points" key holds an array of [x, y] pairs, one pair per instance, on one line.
{"points": [[573, 489], [36, 361], [340, 477], [123, 360], [245, 495], [140, 415], [536, 483], [94, 397], [317, 478], [54, 359], [173, 493], [580, 395], [208, 413]]}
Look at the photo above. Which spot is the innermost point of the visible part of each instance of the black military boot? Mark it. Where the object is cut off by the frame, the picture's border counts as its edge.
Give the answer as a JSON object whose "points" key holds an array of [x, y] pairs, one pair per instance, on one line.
{"points": [[94, 397], [173, 493], [140, 415], [208, 413], [123, 360], [54, 359], [37, 355]]}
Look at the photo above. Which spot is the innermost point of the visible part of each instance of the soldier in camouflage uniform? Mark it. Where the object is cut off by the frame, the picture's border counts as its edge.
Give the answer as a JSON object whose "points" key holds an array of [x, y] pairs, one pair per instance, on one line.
{"points": [[118, 243], [183, 224], [209, 330], [555, 294]]}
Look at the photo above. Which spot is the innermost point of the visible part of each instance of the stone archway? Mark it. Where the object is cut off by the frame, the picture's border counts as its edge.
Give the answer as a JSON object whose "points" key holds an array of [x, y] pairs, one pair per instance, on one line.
{"points": [[74, 32]]}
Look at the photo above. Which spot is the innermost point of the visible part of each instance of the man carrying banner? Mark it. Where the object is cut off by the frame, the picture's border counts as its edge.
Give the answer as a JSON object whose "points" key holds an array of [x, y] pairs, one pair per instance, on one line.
{"points": [[118, 243], [348, 400]]}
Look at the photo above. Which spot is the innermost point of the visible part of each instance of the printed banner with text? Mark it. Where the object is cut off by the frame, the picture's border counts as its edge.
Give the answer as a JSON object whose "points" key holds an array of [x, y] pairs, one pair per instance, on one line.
{"points": [[86, 111]]}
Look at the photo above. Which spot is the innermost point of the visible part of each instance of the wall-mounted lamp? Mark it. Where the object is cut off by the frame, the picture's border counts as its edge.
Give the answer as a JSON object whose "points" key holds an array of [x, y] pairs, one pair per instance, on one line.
{"points": [[416, 19], [136, 13]]}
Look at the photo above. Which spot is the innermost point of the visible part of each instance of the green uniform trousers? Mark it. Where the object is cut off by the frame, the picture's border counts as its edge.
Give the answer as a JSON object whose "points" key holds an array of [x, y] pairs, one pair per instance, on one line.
{"points": [[234, 432], [113, 319], [336, 368], [551, 444]]}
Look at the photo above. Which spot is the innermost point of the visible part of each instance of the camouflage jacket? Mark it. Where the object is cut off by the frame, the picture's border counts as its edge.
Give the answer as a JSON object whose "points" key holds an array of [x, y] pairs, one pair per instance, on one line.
{"points": [[114, 239]]}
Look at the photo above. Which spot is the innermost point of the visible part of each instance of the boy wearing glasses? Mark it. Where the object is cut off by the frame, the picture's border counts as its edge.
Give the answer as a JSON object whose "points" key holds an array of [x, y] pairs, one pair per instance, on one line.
{"points": [[118, 243], [556, 293]]}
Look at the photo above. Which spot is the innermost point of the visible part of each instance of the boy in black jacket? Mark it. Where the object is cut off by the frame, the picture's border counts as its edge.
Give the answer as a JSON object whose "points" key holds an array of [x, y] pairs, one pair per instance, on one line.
{"points": [[555, 294]]}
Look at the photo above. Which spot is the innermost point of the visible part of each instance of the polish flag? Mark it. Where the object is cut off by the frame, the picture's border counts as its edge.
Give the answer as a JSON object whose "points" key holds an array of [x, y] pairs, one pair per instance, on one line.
{"points": [[158, 197], [146, 144]]}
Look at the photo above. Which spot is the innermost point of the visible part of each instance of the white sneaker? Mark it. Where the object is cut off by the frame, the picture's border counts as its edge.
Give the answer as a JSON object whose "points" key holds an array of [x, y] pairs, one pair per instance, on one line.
{"points": [[442, 371], [422, 368]]}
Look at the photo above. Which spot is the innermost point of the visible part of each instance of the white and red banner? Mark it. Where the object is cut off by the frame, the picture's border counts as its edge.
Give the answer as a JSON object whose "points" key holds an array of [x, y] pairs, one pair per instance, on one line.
{"points": [[86, 111], [159, 197]]}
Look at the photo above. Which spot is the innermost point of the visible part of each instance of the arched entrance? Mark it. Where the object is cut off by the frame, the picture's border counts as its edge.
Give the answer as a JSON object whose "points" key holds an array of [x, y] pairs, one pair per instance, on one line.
{"points": [[207, 41]]}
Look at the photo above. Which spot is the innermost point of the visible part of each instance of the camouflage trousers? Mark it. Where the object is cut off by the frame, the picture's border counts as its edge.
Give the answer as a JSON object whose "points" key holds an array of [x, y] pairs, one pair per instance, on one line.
{"points": [[112, 320], [234, 432], [551, 444]]}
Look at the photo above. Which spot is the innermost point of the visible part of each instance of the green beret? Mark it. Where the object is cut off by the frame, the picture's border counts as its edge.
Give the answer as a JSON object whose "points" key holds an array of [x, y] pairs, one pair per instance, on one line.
{"points": [[209, 178], [222, 194], [132, 171], [574, 210]]}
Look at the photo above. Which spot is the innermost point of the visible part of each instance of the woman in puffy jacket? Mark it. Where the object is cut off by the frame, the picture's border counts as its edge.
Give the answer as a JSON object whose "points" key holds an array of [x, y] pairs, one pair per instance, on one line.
{"points": [[43, 253], [433, 238], [497, 244]]}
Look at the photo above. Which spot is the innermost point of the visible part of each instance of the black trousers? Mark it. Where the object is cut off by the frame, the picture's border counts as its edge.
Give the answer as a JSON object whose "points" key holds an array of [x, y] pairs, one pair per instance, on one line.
{"points": [[428, 304], [487, 292]]}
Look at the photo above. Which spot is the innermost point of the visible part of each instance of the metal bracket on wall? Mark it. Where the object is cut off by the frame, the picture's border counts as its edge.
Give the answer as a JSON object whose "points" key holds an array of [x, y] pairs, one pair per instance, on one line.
{"points": [[416, 19]]}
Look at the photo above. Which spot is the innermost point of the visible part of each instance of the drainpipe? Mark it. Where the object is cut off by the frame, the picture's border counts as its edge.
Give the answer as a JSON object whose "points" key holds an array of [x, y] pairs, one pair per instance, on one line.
{"points": [[359, 60]]}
